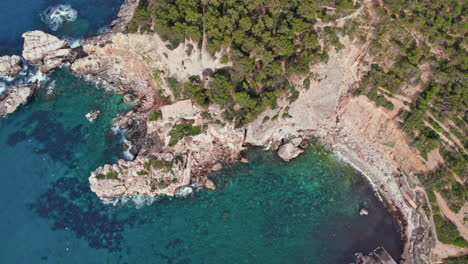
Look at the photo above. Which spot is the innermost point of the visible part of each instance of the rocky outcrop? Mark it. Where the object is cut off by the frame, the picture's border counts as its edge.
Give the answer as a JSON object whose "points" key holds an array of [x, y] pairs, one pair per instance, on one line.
{"points": [[289, 151], [10, 66], [124, 16], [15, 96], [151, 175], [37, 45], [47, 51], [190, 158]]}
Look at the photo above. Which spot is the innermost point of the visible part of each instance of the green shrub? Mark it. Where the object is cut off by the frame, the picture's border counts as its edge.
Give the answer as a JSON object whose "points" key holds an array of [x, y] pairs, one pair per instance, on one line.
{"points": [[110, 175], [156, 115], [181, 130]]}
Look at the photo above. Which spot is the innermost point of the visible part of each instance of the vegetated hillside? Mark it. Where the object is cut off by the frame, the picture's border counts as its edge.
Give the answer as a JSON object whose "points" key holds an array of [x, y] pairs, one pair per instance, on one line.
{"points": [[267, 40], [420, 63], [418, 66]]}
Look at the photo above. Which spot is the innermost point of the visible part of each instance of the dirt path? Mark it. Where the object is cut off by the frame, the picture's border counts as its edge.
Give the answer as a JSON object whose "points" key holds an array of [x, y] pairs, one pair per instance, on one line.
{"points": [[443, 251], [454, 218], [444, 127]]}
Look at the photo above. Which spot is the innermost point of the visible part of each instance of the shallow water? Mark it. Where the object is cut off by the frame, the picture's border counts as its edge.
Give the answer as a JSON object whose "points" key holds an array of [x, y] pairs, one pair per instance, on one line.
{"points": [[267, 211]]}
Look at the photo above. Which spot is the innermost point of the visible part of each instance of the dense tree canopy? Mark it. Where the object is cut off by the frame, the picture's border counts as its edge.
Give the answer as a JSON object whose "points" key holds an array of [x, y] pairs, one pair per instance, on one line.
{"points": [[269, 40]]}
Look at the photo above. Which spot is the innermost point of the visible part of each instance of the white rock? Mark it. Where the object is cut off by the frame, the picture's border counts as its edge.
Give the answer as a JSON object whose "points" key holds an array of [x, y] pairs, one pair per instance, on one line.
{"points": [[218, 166], [10, 66], [288, 151], [209, 184], [363, 212], [37, 45], [14, 97]]}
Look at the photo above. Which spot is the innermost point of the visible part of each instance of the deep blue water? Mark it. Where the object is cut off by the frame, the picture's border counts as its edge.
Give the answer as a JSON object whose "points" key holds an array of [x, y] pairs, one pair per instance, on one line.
{"points": [[18, 16], [267, 211]]}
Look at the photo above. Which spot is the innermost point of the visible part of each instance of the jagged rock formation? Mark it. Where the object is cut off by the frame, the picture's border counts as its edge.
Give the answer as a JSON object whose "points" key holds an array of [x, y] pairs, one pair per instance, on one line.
{"points": [[162, 166], [124, 16], [47, 51], [10, 66], [289, 151], [37, 45], [12, 98]]}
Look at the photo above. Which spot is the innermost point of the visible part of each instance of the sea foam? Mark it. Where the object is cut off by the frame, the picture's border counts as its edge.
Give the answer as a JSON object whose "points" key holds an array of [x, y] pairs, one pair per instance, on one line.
{"points": [[55, 16]]}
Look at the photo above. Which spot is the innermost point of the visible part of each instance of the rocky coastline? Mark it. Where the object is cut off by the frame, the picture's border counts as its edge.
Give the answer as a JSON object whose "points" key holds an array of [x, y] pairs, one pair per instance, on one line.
{"points": [[351, 126]]}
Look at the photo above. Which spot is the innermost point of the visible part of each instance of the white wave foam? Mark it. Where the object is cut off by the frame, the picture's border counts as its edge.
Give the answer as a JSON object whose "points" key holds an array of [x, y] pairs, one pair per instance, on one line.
{"points": [[139, 200], [6, 78], [122, 132], [103, 29], [72, 42], [50, 88], [3, 87], [183, 192], [37, 76], [55, 16]]}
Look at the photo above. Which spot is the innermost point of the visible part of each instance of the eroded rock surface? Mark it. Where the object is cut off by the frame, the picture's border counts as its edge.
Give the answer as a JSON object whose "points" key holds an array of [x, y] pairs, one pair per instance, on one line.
{"points": [[178, 164], [10, 66], [13, 97], [37, 45], [289, 151]]}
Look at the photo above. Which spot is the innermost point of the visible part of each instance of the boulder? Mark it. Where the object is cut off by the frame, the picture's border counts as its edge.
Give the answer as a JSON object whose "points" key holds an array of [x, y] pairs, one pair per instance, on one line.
{"points": [[37, 45], [209, 184], [127, 98], [288, 151], [56, 58], [10, 66], [218, 166], [363, 212], [15, 96], [296, 141]]}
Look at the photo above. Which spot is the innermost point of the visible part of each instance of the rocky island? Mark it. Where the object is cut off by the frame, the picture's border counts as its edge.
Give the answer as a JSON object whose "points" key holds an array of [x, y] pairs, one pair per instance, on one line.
{"points": [[202, 98]]}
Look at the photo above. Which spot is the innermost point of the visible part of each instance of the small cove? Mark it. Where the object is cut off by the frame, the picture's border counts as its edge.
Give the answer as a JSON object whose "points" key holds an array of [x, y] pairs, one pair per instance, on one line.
{"points": [[267, 211]]}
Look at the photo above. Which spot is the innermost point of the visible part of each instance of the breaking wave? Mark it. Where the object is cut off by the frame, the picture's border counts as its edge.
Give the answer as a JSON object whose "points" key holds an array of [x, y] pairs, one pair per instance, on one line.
{"points": [[55, 16], [3, 87]]}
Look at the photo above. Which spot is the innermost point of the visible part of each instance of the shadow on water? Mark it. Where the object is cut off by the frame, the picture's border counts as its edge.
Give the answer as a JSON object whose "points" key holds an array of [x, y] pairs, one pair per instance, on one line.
{"points": [[70, 205], [57, 141]]}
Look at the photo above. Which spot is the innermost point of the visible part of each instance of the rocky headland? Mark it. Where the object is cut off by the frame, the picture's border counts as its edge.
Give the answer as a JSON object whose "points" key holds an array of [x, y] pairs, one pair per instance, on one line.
{"points": [[178, 143], [360, 132]]}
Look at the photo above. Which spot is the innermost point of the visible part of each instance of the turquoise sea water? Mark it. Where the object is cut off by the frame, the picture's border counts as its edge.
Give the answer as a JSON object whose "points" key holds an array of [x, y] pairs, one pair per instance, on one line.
{"points": [[267, 211]]}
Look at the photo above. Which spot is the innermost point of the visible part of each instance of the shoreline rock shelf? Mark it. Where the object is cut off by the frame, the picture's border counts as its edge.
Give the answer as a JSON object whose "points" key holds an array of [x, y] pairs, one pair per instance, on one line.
{"points": [[15, 96]]}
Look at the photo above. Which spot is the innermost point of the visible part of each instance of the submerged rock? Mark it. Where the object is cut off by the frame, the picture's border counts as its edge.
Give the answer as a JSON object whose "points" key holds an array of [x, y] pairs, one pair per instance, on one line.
{"points": [[15, 96], [10, 66], [93, 115], [289, 151]]}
